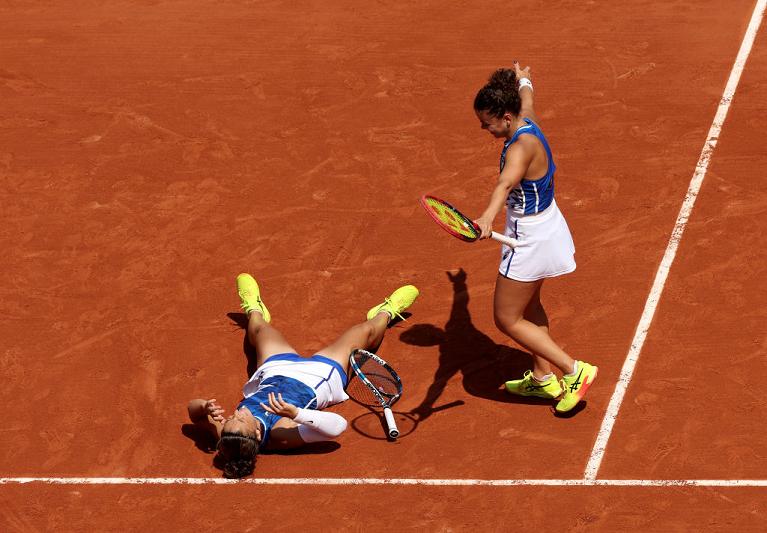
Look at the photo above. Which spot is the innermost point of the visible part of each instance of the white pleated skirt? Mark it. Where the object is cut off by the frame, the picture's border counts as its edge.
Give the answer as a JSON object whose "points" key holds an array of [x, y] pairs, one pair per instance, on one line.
{"points": [[545, 249]]}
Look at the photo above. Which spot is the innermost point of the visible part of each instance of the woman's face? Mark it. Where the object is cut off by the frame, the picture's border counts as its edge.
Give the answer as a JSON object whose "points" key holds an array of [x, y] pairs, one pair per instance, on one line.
{"points": [[243, 422], [499, 127]]}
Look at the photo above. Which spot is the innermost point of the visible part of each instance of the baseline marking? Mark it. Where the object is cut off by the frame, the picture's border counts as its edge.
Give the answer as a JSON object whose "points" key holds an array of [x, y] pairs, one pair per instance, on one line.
{"points": [[598, 451], [385, 481]]}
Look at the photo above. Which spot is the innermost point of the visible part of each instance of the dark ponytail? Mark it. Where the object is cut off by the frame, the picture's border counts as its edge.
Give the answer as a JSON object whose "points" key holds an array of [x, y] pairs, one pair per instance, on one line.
{"points": [[500, 94]]}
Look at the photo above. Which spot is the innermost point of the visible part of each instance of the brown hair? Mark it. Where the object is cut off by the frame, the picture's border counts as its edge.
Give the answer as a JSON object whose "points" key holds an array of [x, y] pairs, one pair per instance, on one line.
{"points": [[238, 453], [500, 94]]}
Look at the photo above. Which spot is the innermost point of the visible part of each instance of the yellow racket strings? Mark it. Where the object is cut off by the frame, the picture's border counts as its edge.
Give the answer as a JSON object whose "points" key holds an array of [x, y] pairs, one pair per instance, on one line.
{"points": [[448, 217]]}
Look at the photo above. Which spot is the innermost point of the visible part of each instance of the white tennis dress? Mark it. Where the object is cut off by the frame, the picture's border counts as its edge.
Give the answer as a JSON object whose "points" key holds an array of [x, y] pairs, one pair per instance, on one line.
{"points": [[312, 382], [323, 375], [546, 247]]}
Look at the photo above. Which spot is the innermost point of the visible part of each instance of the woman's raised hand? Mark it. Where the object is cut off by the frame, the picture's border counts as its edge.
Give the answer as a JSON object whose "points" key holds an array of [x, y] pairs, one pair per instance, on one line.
{"points": [[215, 411], [280, 407], [522, 72]]}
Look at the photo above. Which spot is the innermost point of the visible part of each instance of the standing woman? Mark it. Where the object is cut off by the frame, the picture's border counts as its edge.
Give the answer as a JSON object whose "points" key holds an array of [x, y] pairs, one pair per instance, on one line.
{"points": [[504, 107]]}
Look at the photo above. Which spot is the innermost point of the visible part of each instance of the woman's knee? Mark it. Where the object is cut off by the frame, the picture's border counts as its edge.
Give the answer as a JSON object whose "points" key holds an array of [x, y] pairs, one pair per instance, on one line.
{"points": [[368, 331], [358, 336], [254, 328], [536, 314], [508, 324]]}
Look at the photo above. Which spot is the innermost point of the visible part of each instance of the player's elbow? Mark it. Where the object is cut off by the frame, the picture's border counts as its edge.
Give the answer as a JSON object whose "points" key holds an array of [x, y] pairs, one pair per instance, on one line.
{"points": [[339, 425], [323, 426], [342, 425], [196, 410]]}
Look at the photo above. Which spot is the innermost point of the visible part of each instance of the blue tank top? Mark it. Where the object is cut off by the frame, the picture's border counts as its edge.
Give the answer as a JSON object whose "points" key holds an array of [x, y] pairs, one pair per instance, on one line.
{"points": [[292, 390], [531, 196]]}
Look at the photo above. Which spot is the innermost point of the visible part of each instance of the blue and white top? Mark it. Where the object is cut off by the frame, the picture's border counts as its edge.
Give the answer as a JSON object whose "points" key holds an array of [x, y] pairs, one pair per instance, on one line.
{"points": [[307, 382], [530, 197], [292, 390]]}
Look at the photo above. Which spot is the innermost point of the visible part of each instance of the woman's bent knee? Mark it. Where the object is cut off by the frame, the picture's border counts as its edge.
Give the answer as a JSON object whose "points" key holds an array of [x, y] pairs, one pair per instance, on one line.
{"points": [[508, 325]]}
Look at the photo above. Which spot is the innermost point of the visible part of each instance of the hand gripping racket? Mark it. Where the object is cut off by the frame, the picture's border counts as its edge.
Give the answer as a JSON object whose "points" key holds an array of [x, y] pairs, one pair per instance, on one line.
{"points": [[377, 384], [456, 223]]}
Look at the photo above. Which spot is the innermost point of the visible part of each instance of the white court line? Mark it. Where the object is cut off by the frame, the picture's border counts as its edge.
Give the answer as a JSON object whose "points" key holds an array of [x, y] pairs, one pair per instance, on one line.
{"points": [[387, 481], [598, 451]]}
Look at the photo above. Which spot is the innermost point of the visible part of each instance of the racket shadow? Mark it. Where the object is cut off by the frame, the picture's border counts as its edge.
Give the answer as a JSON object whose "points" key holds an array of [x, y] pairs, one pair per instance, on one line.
{"points": [[483, 364], [373, 425]]}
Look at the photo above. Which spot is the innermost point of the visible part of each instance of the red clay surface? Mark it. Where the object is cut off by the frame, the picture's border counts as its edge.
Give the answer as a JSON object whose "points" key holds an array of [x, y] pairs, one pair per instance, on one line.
{"points": [[151, 152], [383, 508], [698, 414]]}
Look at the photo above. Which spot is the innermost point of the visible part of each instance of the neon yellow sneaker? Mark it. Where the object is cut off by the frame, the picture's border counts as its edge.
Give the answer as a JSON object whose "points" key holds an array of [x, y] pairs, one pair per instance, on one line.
{"points": [[250, 296], [397, 302], [529, 386], [575, 386]]}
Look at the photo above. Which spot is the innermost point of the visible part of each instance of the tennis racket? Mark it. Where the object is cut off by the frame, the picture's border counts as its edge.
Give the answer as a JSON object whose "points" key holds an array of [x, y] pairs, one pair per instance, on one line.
{"points": [[377, 385], [456, 223]]}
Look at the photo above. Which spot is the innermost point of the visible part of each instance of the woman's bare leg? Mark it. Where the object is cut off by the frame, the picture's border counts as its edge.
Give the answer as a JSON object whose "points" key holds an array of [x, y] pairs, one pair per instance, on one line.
{"points": [[366, 336], [266, 339], [512, 299], [535, 313]]}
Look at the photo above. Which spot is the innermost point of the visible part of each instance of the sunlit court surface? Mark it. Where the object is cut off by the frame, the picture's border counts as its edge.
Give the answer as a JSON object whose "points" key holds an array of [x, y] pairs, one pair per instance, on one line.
{"points": [[151, 151]]}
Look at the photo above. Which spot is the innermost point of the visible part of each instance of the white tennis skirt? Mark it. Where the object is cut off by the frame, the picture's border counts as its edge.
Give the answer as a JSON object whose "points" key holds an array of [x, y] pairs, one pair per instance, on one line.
{"points": [[545, 247]]}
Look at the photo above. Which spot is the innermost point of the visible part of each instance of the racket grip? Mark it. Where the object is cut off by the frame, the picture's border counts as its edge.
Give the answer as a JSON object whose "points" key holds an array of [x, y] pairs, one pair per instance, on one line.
{"points": [[391, 425], [504, 239]]}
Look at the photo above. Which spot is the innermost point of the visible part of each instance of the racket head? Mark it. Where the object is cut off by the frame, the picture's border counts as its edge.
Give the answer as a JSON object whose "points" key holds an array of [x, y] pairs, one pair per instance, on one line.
{"points": [[450, 219], [377, 383]]}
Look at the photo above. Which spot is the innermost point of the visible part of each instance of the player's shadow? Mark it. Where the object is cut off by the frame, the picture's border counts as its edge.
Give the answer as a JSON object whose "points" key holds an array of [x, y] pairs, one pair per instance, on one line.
{"points": [[311, 448], [306, 449], [241, 320], [203, 440], [484, 365], [206, 442]]}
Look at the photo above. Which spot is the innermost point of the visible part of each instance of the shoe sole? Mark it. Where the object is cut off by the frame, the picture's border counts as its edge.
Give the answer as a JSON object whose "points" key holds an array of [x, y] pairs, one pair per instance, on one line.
{"points": [[264, 312], [547, 397], [392, 308], [583, 391]]}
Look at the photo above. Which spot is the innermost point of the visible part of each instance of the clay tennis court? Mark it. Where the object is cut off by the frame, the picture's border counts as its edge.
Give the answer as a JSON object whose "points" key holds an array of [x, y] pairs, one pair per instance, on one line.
{"points": [[150, 151]]}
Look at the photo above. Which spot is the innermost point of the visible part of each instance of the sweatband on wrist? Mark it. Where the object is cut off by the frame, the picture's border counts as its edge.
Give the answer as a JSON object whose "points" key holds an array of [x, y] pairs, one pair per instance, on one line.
{"points": [[525, 82], [326, 424]]}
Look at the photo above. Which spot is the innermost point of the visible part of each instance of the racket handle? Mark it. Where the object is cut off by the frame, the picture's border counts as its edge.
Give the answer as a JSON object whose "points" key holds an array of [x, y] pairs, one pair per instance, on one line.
{"points": [[391, 425], [504, 239]]}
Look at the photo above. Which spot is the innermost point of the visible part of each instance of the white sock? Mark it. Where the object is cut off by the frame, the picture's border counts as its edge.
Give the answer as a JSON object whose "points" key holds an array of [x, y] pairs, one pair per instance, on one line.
{"points": [[544, 378], [575, 369]]}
